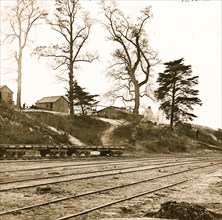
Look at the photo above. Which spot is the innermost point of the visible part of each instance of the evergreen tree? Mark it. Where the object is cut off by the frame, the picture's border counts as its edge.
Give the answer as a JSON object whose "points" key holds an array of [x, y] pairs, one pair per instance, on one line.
{"points": [[82, 98], [176, 93]]}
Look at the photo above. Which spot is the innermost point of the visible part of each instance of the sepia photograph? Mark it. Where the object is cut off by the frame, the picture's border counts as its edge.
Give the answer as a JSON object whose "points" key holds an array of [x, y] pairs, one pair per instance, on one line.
{"points": [[110, 110]]}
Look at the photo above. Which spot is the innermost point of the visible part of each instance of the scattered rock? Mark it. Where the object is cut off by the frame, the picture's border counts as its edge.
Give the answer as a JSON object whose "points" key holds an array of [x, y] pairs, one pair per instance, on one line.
{"points": [[43, 189], [18, 212], [27, 195], [183, 211], [160, 194], [54, 173], [125, 209], [115, 177]]}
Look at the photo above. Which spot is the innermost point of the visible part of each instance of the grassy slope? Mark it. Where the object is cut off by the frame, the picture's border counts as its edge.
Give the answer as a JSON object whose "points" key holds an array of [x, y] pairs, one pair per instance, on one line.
{"points": [[87, 130], [17, 128], [157, 139]]}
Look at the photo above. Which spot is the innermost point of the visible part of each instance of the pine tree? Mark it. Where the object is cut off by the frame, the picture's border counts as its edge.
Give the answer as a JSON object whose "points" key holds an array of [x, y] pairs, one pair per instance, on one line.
{"points": [[176, 93], [83, 99]]}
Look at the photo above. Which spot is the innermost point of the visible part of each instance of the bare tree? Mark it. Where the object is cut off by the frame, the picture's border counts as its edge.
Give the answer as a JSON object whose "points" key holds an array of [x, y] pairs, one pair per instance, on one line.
{"points": [[73, 26], [20, 18], [133, 56]]}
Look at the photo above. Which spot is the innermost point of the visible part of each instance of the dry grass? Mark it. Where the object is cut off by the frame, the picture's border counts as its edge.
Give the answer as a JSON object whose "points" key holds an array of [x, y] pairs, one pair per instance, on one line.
{"points": [[88, 130], [17, 128]]}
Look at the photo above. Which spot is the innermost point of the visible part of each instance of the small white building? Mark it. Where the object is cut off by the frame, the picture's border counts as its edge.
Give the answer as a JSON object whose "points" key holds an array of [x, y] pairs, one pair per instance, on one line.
{"points": [[149, 116]]}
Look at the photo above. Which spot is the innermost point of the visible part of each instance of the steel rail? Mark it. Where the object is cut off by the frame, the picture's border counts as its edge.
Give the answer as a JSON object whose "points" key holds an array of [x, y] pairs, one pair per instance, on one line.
{"points": [[40, 159], [78, 165], [71, 159], [80, 178], [112, 163], [66, 159], [61, 166], [104, 189], [94, 176], [74, 174], [101, 175], [129, 197], [71, 174], [122, 200], [99, 163]]}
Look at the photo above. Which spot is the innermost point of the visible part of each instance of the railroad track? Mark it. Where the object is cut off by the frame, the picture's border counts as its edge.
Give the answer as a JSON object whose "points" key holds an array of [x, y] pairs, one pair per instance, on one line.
{"points": [[76, 166], [120, 200], [92, 158], [116, 200], [40, 181], [95, 163], [82, 158]]}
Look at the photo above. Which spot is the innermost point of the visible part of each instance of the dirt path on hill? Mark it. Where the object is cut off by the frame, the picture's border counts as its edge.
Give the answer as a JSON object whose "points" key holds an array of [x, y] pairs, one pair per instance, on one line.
{"points": [[106, 138]]}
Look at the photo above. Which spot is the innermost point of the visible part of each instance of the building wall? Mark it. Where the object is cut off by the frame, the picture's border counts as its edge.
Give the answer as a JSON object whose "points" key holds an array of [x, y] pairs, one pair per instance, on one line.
{"points": [[112, 113], [107, 113], [46, 106], [6, 95], [61, 105]]}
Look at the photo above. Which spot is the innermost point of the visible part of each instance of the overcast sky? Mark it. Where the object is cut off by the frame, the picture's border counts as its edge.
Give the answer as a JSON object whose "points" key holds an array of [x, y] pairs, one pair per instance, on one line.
{"points": [[191, 30]]}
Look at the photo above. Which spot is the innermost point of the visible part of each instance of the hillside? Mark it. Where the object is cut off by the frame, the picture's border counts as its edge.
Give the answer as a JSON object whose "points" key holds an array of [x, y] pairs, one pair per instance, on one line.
{"points": [[18, 128], [38, 127], [88, 130], [160, 139], [35, 127]]}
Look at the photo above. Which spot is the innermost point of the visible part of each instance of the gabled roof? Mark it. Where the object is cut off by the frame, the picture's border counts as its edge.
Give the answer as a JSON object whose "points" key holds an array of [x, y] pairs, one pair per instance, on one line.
{"points": [[2, 86], [116, 108], [50, 99]]}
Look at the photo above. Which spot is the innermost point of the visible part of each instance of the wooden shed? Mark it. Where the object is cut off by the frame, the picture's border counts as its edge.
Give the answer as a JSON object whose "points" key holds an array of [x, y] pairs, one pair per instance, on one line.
{"points": [[54, 103], [6, 94], [114, 112]]}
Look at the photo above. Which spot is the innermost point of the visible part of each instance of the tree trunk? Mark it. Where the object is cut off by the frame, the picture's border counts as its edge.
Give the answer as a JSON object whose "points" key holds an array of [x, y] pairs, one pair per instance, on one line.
{"points": [[71, 91], [71, 74], [172, 107], [137, 99], [19, 80], [83, 112]]}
